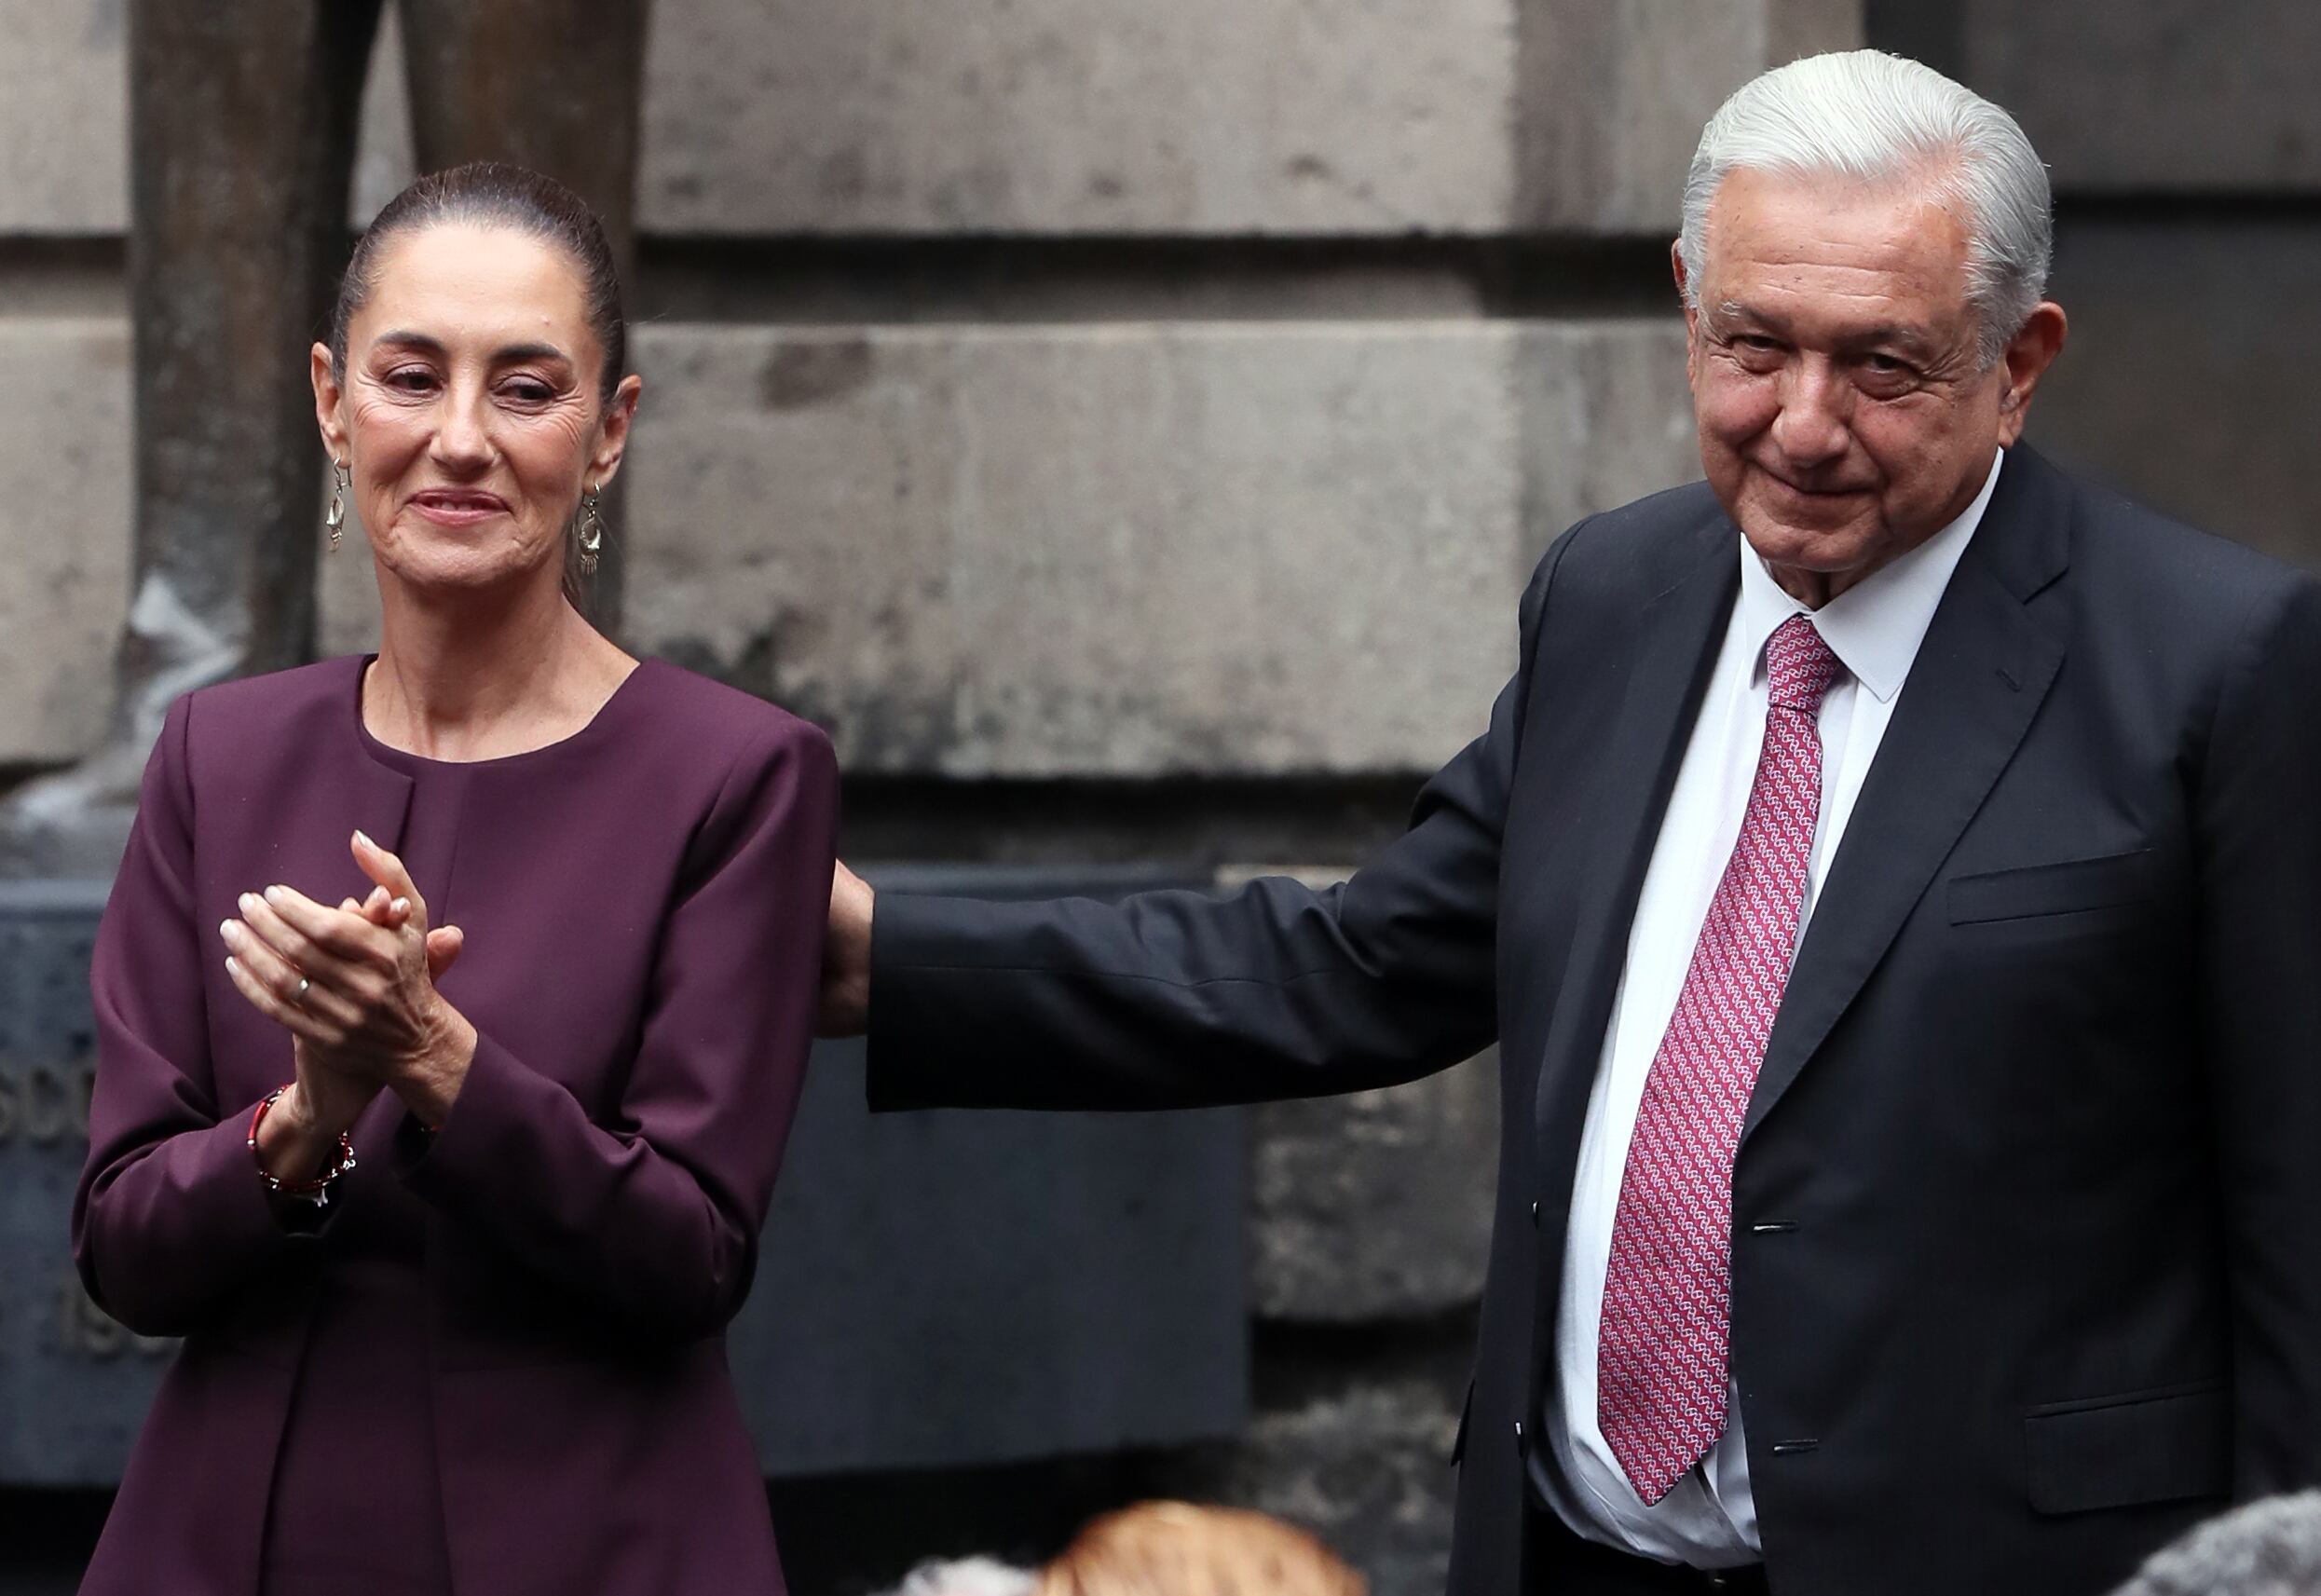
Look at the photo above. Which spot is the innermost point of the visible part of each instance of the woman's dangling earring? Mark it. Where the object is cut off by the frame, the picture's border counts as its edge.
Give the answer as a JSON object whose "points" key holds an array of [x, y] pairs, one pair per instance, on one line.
{"points": [[335, 520], [592, 533]]}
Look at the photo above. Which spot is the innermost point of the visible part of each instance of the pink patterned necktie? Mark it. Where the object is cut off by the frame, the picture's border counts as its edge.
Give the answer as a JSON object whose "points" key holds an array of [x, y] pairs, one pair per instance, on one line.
{"points": [[1661, 1369]]}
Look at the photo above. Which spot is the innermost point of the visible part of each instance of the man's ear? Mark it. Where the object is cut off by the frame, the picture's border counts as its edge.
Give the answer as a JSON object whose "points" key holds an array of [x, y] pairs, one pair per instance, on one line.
{"points": [[2029, 355], [1692, 311]]}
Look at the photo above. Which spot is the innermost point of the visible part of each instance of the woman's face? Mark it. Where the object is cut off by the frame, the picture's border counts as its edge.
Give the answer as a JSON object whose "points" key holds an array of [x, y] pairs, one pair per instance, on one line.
{"points": [[469, 417]]}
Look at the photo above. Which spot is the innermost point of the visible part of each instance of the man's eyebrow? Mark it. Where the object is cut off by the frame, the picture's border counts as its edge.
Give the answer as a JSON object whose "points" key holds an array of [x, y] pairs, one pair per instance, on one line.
{"points": [[1893, 334], [1734, 311], [1897, 334]]}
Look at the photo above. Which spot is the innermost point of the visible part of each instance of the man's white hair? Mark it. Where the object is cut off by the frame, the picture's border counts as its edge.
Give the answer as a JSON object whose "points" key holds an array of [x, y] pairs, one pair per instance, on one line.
{"points": [[969, 1577], [1884, 119]]}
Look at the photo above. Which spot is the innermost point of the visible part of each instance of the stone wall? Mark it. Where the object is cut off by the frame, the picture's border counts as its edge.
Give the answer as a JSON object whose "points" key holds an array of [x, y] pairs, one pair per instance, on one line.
{"points": [[1127, 429]]}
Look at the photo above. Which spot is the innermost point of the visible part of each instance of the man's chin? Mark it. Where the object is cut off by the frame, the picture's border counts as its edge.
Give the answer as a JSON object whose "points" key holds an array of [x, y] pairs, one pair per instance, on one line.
{"points": [[1823, 551]]}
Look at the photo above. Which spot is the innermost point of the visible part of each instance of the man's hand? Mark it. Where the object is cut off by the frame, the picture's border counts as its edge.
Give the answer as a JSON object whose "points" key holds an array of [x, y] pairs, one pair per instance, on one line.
{"points": [[846, 956]]}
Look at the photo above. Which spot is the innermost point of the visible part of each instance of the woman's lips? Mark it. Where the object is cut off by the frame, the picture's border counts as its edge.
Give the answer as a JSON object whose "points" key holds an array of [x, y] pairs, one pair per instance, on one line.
{"points": [[448, 506]]}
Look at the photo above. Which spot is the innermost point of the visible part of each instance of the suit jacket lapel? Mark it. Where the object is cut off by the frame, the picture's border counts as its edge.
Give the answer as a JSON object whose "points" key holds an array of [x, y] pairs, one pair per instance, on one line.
{"points": [[1671, 647], [1981, 673]]}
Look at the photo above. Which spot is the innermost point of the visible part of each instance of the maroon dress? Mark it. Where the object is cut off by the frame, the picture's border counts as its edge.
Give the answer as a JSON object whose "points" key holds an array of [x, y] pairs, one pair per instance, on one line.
{"points": [[496, 1363]]}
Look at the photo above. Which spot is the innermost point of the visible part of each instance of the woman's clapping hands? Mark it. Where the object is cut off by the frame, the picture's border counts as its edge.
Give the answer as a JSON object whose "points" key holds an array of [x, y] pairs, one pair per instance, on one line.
{"points": [[355, 986]]}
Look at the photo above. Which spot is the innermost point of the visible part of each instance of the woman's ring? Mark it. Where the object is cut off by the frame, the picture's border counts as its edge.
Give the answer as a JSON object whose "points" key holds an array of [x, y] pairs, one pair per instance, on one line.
{"points": [[298, 993]]}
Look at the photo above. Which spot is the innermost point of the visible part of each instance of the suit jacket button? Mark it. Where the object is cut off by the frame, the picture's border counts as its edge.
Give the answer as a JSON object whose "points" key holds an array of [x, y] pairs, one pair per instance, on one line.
{"points": [[1535, 1214], [1519, 1438]]}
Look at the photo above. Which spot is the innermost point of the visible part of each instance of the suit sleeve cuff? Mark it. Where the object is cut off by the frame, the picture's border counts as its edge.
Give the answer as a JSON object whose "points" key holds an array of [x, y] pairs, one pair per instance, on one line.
{"points": [[485, 1142], [937, 1029], [913, 941]]}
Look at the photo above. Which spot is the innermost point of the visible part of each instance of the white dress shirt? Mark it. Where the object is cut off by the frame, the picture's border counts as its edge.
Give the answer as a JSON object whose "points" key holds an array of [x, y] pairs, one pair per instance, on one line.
{"points": [[1709, 1520]]}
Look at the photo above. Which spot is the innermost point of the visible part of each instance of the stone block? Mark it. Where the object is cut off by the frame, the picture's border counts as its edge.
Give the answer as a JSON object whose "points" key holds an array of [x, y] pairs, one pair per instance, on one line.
{"points": [[1611, 96], [64, 506], [1078, 116], [2192, 96], [63, 117], [1604, 417], [1377, 1204], [1254, 548]]}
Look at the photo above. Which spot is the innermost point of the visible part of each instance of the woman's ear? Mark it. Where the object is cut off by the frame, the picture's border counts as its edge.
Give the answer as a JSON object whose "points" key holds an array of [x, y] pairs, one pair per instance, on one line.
{"points": [[327, 394], [612, 438]]}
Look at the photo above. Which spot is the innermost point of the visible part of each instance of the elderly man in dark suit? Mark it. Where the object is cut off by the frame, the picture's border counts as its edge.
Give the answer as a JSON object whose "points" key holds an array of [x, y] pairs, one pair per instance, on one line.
{"points": [[1893, 880]]}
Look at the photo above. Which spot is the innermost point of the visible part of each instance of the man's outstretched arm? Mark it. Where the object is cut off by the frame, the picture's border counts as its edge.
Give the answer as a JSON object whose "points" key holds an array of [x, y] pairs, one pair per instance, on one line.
{"points": [[1174, 999]]}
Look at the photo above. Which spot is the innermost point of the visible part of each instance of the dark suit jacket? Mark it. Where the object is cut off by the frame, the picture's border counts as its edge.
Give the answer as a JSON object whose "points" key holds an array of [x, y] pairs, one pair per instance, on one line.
{"points": [[2027, 1214], [645, 904]]}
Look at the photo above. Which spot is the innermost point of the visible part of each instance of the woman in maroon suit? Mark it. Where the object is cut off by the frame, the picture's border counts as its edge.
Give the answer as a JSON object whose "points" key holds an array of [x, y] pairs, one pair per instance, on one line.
{"points": [[452, 1241]]}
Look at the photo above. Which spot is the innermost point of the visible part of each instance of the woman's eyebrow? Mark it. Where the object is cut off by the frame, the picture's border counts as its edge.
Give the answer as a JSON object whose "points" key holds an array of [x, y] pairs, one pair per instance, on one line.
{"points": [[507, 352], [404, 338]]}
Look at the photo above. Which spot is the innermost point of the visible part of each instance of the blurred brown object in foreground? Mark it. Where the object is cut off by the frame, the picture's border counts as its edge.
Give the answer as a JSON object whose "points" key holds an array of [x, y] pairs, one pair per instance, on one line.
{"points": [[1175, 1548]]}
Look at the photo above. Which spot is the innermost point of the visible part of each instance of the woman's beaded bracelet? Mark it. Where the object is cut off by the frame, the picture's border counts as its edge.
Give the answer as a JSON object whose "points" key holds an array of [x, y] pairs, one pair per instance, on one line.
{"points": [[315, 1191]]}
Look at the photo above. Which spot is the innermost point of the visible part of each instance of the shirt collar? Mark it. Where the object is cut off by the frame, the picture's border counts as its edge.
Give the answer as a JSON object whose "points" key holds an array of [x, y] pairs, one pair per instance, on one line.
{"points": [[1876, 626]]}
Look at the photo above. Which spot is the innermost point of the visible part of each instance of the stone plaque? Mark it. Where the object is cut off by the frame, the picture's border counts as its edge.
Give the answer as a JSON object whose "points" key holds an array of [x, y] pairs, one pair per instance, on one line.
{"points": [[934, 1289], [74, 1386]]}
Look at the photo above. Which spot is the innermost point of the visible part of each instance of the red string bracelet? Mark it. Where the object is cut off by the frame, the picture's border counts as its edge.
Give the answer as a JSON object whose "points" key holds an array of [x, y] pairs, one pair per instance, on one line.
{"points": [[315, 1191]]}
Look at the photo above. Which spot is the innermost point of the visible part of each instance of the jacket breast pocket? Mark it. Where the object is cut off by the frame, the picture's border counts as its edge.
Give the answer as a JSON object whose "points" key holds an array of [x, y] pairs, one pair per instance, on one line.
{"points": [[2118, 1452], [2072, 886]]}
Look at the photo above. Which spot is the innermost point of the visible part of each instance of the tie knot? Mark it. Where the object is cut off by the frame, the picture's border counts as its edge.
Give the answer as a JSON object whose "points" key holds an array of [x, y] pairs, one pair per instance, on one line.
{"points": [[1798, 666]]}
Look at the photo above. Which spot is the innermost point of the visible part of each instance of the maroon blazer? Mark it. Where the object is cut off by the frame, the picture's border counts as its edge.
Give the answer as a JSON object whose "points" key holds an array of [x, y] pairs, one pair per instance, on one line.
{"points": [[643, 904]]}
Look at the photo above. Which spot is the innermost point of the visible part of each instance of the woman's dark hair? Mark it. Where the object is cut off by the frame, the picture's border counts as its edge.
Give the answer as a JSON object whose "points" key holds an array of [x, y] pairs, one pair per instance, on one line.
{"points": [[493, 193]]}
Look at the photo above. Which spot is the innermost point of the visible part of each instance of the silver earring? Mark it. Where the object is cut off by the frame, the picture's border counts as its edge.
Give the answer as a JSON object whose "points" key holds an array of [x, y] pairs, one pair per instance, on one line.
{"points": [[335, 520], [592, 533]]}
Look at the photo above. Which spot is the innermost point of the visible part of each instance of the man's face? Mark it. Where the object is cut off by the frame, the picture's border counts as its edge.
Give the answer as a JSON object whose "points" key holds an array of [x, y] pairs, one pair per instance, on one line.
{"points": [[1844, 416]]}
